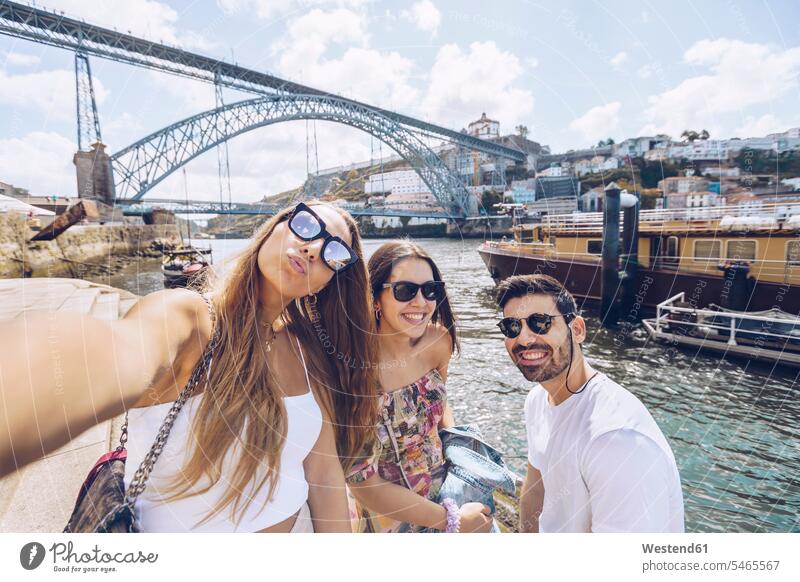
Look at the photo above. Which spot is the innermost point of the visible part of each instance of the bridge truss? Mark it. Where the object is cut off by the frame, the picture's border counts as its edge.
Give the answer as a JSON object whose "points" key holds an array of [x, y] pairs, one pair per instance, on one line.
{"points": [[142, 165]]}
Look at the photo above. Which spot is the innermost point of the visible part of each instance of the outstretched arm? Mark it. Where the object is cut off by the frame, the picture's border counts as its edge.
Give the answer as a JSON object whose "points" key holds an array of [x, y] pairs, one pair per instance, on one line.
{"points": [[62, 373]]}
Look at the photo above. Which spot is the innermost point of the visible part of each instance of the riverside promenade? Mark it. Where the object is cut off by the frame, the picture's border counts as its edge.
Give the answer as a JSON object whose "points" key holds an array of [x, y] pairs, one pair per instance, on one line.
{"points": [[40, 497]]}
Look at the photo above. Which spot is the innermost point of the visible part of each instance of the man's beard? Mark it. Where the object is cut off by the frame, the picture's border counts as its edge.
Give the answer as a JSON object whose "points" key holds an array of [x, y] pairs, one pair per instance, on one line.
{"points": [[555, 365]]}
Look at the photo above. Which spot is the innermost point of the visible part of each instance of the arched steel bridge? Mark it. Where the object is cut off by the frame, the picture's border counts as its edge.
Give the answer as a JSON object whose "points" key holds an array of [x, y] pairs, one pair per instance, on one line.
{"points": [[142, 165], [148, 161]]}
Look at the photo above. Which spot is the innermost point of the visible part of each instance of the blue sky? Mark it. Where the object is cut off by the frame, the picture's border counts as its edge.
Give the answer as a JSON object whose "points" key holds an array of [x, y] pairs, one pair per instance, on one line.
{"points": [[572, 72]]}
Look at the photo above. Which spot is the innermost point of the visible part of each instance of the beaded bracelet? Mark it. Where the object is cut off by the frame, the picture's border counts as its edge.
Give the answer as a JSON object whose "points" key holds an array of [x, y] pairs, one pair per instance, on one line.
{"points": [[453, 516]]}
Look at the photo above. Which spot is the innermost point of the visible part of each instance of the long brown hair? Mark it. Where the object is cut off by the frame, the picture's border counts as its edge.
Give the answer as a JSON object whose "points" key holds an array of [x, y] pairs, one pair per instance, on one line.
{"points": [[241, 406], [381, 264]]}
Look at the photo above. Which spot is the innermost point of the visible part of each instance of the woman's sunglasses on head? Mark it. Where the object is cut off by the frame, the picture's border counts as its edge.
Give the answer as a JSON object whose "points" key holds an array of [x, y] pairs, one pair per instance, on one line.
{"points": [[406, 291], [538, 323], [306, 225]]}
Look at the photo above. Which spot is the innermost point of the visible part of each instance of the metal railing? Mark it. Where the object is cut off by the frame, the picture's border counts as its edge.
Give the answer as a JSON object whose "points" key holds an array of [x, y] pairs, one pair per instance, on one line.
{"points": [[666, 308], [650, 219]]}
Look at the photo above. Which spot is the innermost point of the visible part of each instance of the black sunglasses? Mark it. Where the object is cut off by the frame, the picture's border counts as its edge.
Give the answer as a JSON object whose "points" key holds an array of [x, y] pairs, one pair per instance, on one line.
{"points": [[306, 225], [538, 323], [406, 291]]}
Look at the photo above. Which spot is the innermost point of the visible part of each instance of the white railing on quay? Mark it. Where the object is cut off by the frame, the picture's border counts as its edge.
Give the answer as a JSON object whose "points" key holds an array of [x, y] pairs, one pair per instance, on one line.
{"points": [[666, 308]]}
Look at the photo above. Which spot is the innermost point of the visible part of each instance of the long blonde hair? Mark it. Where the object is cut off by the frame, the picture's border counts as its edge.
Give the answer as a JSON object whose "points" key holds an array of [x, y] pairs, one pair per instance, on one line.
{"points": [[242, 407]]}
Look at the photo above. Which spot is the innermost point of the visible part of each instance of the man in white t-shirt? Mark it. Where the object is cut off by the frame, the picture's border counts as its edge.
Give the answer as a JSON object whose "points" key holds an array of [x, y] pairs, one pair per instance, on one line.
{"points": [[597, 461]]}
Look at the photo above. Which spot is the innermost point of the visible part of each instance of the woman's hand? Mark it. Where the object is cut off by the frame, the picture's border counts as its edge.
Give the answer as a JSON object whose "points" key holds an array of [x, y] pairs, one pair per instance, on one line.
{"points": [[475, 518]]}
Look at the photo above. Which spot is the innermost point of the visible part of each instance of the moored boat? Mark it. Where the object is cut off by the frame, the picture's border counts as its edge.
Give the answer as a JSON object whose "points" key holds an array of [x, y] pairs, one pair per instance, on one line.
{"points": [[771, 336], [741, 258], [181, 266]]}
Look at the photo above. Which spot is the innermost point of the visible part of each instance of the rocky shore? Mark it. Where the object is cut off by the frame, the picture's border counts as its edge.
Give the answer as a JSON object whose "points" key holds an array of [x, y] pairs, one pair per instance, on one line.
{"points": [[82, 251]]}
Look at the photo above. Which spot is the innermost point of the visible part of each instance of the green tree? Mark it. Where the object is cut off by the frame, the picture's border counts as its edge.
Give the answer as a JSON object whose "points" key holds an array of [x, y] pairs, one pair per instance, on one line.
{"points": [[650, 173], [489, 199], [690, 135]]}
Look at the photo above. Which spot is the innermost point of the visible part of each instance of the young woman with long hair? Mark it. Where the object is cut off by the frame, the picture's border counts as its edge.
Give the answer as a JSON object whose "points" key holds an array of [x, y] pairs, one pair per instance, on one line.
{"points": [[262, 444], [396, 483]]}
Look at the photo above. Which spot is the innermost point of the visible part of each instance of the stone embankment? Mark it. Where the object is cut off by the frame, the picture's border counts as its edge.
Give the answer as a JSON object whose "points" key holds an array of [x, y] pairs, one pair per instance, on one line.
{"points": [[81, 251], [39, 497]]}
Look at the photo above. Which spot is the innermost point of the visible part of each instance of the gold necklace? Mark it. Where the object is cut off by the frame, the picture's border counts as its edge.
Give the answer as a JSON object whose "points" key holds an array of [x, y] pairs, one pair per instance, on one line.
{"points": [[273, 335]]}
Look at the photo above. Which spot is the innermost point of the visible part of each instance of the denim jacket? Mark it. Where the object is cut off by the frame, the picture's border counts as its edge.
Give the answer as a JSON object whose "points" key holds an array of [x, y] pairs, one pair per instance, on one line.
{"points": [[474, 468]]}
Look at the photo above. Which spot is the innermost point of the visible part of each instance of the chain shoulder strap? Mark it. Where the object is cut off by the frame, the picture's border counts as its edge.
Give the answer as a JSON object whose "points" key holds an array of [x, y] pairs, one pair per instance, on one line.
{"points": [[139, 480]]}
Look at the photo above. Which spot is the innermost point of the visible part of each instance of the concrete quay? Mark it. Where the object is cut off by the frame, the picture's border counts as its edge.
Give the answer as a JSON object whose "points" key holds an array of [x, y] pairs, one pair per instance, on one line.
{"points": [[40, 497]]}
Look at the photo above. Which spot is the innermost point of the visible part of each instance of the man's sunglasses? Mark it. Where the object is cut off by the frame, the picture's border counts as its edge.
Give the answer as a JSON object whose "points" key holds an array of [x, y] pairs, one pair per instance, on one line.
{"points": [[306, 225], [406, 291], [538, 323]]}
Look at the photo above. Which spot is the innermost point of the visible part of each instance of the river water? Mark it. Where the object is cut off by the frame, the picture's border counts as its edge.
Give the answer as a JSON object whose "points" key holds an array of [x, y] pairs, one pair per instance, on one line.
{"points": [[733, 426]]}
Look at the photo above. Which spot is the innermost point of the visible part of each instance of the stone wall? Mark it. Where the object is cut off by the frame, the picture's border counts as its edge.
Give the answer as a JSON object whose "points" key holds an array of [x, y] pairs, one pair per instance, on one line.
{"points": [[488, 228], [78, 247]]}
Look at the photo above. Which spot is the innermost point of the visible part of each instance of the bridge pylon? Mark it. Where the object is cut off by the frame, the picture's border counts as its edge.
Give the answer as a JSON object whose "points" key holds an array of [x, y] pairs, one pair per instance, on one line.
{"points": [[95, 178]]}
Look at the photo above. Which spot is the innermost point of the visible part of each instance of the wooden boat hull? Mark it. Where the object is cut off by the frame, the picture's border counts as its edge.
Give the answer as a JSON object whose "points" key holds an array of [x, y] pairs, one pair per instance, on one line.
{"points": [[178, 279], [583, 279]]}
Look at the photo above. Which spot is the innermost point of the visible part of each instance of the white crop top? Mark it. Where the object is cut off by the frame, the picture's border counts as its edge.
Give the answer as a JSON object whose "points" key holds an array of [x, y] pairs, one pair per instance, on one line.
{"points": [[291, 492]]}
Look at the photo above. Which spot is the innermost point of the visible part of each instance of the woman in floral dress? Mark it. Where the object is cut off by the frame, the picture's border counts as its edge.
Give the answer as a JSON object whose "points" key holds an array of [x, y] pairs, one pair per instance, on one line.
{"points": [[397, 481]]}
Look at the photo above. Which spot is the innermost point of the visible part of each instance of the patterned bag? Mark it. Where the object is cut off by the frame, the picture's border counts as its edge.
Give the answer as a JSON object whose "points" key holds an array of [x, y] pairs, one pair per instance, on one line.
{"points": [[103, 505]]}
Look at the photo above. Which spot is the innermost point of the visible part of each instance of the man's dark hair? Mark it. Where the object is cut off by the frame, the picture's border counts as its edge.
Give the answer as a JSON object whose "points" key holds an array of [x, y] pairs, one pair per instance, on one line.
{"points": [[522, 285]]}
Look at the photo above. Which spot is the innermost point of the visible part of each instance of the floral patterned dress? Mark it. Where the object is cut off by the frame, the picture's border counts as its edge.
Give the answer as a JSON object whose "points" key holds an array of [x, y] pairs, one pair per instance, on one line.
{"points": [[408, 451]]}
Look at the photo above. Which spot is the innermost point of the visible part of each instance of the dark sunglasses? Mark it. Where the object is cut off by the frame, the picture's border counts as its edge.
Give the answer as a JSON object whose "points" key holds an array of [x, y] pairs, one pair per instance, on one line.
{"points": [[538, 323], [405, 291], [306, 225]]}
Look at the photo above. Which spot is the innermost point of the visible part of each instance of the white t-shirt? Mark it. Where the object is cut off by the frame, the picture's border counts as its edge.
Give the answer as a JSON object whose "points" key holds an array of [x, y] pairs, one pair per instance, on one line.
{"points": [[605, 464]]}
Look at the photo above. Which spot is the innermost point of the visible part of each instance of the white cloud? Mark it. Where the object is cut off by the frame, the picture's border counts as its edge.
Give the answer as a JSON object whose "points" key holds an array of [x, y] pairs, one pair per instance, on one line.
{"points": [[425, 16], [40, 162], [465, 83], [311, 35], [127, 126], [645, 71], [302, 55], [267, 9], [740, 75], [598, 122], [194, 95], [51, 93], [387, 84], [148, 19], [619, 59], [760, 126], [13, 59]]}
